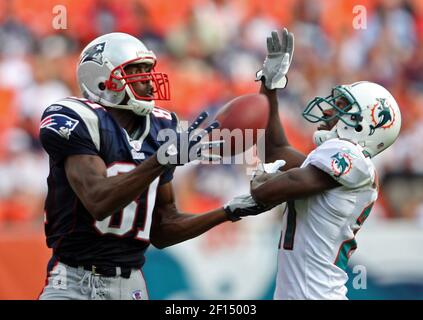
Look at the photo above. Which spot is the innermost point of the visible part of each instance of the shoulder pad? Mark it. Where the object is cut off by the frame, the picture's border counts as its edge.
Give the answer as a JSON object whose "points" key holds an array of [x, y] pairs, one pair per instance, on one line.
{"points": [[161, 113], [344, 161], [84, 111], [164, 118]]}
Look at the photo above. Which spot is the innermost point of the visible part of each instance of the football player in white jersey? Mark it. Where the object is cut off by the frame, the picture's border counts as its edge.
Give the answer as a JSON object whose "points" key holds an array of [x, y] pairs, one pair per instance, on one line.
{"points": [[330, 192]]}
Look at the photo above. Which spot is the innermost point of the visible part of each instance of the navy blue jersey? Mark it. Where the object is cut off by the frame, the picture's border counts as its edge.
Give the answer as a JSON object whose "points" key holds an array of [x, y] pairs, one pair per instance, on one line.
{"points": [[77, 126]]}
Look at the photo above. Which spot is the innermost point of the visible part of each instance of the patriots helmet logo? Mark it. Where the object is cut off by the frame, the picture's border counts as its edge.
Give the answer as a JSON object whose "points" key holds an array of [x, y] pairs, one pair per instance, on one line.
{"points": [[94, 53], [59, 123], [341, 163]]}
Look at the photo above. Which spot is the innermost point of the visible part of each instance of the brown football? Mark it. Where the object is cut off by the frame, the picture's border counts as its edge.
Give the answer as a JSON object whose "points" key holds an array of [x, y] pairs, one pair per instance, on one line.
{"points": [[242, 117]]}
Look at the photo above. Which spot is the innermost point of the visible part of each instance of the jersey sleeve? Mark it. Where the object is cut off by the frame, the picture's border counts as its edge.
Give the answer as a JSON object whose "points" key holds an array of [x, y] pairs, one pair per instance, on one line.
{"points": [[65, 132], [343, 161]]}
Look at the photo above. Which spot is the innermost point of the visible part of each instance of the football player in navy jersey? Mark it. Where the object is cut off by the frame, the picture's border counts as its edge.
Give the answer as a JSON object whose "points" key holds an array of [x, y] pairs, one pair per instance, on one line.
{"points": [[109, 189]]}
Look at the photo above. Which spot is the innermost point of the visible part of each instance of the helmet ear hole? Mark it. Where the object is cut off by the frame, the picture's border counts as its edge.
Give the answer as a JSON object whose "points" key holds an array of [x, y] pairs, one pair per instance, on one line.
{"points": [[102, 86], [359, 128]]}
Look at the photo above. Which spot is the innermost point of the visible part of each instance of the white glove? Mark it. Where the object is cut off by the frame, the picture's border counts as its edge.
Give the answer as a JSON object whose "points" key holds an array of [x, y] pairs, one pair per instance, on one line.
{"points": [[271, 167], [265, 172], [242, 206], [278, 60]]}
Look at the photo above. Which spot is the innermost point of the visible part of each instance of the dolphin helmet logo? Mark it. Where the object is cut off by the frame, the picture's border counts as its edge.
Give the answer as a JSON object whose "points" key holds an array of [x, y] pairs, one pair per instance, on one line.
{"points": [[341, 164], [383, 116]]}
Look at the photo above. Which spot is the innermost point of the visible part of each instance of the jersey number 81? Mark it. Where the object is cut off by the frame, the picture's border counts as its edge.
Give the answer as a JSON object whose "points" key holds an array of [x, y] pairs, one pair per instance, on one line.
{"points": [[132, 216]]}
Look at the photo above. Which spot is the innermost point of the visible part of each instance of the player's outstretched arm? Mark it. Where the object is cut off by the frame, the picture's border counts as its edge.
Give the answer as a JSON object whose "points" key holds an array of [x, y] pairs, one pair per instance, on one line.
{"points": [[170, 227], [102, 195], [276, 188], [273, 77], [276, 144]]}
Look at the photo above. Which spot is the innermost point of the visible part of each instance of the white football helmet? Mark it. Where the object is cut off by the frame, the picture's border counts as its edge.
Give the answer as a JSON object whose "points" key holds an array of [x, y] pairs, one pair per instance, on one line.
{"points": [[372, 118], [102, 78]]}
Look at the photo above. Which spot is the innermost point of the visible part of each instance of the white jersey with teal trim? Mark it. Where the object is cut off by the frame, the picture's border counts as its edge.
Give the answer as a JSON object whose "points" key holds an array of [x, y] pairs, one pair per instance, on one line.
{"points": [[318, 232]]}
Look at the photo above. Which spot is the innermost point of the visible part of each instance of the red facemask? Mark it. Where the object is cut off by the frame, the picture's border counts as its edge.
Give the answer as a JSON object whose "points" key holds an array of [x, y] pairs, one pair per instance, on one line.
{"points": [[159, 80]]}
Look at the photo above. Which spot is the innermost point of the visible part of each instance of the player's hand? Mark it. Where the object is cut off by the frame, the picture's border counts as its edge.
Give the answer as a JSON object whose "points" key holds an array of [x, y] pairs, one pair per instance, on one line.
{"points": [[271, 167], [265, 172], [183, 146], [242, 206], [278, 60]]}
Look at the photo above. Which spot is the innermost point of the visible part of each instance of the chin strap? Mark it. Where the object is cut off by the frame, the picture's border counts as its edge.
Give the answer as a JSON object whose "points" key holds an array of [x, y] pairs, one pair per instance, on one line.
{"points": [[321, 136], [141, 108]]}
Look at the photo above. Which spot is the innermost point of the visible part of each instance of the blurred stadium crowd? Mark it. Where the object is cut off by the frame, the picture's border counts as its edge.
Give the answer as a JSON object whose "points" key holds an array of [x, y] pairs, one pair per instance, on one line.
{"points": [[211, 51]]}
